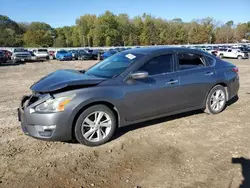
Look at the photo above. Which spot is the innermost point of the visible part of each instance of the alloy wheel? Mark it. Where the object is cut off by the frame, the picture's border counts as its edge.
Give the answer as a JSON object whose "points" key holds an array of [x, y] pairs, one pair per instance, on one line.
{"points": [[217, 100], [96, 126]]}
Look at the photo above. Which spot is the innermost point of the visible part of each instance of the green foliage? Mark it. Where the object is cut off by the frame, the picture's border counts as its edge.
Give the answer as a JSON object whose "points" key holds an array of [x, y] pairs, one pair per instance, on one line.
{"points": [[10, 32], [38, 34], [109, 29]]}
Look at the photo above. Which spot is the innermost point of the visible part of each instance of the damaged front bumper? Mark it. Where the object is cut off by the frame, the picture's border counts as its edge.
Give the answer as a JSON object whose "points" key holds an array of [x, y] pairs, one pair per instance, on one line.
{"points": [[46, 126]]}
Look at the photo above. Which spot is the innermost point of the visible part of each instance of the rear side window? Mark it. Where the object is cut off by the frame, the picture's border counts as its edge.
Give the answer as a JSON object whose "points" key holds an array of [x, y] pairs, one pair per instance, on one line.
{"points": [[210, 60], [190, 61], [159, 65]]}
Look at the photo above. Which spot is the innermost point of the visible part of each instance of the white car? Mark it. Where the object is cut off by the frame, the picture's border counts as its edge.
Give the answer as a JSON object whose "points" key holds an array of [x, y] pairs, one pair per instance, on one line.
{"points": [[20, 55], [233, 53], [41, 53]]}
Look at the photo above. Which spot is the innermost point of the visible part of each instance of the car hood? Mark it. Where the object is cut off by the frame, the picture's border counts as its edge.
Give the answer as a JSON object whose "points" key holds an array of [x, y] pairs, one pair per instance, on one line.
{"points": [[64, 78]]}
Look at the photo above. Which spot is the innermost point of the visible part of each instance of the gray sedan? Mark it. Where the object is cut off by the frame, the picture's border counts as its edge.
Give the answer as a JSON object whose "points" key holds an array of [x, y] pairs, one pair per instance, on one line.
{"points": [[129, 87]]}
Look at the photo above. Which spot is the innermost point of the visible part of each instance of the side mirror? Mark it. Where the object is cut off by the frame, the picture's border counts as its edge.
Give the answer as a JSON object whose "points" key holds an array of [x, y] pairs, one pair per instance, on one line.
{"points": [[139, 75]]}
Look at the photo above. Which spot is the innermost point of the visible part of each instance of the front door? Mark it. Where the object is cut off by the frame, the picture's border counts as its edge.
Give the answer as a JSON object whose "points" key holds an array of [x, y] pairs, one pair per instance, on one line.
{"points": [[152, 96]]}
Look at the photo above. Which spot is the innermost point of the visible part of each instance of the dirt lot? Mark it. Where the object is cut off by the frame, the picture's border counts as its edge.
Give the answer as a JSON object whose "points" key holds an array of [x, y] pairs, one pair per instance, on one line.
{"points": [[191, 150]]}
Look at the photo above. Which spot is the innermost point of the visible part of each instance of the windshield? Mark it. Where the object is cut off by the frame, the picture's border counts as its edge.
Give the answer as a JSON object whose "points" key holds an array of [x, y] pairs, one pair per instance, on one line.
{"points": [[42, 50], [20, 50], [113, 65], [83, 52]]}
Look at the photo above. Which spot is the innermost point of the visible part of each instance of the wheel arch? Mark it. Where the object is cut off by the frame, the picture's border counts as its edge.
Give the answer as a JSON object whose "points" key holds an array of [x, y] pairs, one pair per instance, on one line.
{"points": [[82, 109], [223, 84]]}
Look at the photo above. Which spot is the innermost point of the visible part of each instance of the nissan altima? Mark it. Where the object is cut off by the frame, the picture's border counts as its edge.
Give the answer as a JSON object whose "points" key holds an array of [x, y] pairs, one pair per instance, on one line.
{"points": [[129, 87]]}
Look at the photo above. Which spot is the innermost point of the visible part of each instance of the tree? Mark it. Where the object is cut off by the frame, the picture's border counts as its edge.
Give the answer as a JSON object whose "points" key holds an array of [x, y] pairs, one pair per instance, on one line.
{"points": [[149, 32], [10, 32], [106, 26], [38, 34], [124, 28], [243, 31], [85, 24], [109, 29]]}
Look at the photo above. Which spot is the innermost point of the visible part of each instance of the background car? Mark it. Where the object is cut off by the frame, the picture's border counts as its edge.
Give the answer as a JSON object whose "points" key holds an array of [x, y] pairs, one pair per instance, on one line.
{"points": [[75, 54], [52, 54], [41, 53], [33, 56], [20, 55], [94, 53], [3, 58], [63, 55], [85, 55], [8, 54], [109, 53]]}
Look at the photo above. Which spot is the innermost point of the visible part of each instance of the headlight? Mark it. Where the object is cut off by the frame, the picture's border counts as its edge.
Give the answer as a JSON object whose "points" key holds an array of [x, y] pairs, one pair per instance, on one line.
{"points": [[53, 105]]}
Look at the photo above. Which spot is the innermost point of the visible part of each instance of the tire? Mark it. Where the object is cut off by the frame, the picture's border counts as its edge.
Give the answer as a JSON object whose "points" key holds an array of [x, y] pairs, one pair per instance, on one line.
{"points": [[214, 104], [88, 134], [239, 57], [221, 56]]}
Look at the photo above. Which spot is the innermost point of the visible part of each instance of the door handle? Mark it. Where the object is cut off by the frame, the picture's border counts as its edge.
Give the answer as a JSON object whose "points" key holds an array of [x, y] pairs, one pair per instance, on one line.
{"points": [[171, 82], [209, 74]]}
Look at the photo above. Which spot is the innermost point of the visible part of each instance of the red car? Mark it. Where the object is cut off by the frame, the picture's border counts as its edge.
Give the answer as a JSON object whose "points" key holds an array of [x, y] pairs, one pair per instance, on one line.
{"points": [[52, 55], [8, 54]]}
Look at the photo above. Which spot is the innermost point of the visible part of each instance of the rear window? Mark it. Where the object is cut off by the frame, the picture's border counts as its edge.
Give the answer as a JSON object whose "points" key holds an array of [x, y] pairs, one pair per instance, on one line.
{"points": [[210, 60]]}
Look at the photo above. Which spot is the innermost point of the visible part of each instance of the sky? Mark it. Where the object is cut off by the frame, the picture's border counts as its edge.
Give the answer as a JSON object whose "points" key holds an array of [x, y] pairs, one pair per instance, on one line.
{"points": [[59, 13]]}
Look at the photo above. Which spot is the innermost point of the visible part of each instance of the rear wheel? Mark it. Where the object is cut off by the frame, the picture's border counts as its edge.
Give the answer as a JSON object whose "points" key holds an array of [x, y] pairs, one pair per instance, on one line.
{"points": [[221, 56], [95, 126], [239, 57], [216, 100]]}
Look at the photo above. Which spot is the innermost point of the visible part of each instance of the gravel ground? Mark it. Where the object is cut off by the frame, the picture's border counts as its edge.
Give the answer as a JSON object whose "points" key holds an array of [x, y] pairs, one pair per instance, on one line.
{"points": [[191, 150]]}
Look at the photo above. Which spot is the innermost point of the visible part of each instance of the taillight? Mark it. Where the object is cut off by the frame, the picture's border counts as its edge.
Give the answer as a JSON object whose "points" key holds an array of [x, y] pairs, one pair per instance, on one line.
{"points": [[235, 69]]}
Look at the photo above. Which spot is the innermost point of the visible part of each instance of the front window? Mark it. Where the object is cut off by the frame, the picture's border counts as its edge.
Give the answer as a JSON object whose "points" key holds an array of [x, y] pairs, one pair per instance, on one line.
{"points": [[159, 65], [113, 65]]}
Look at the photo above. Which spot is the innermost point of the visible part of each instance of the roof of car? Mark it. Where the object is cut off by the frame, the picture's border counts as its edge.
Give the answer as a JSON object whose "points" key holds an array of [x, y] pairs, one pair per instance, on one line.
{"points": [[147, 50]]}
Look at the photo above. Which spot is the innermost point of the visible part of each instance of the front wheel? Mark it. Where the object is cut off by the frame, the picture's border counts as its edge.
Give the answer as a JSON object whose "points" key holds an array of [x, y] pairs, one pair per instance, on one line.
{"points": [[221, 56], [95, 126], [216, 100]]}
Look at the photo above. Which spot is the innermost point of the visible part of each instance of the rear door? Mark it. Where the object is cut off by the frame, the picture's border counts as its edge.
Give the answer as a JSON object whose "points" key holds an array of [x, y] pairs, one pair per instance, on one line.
{"points": [[196, 76]]}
